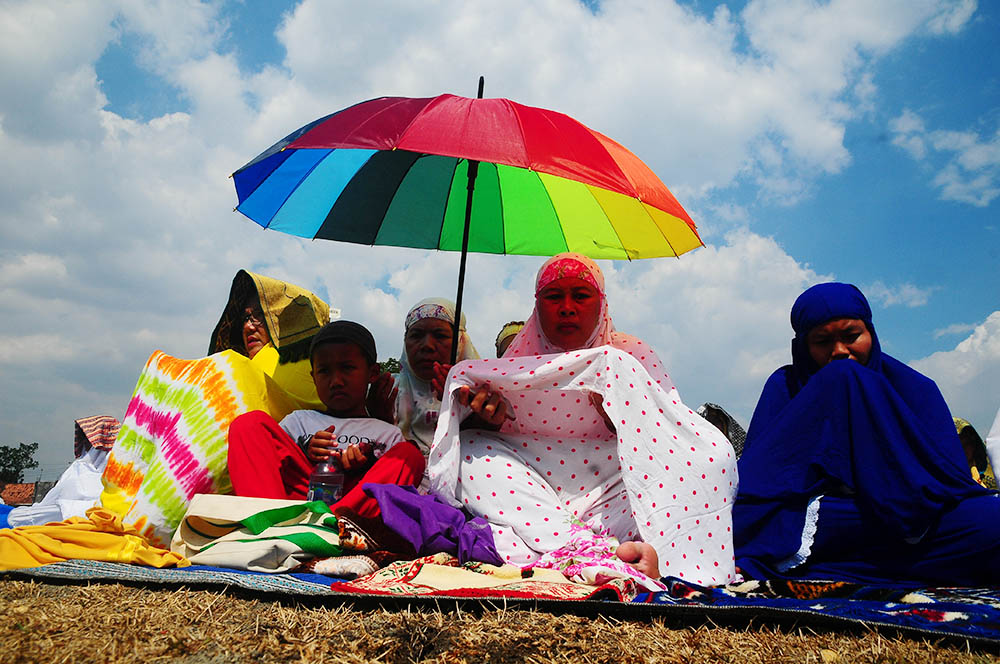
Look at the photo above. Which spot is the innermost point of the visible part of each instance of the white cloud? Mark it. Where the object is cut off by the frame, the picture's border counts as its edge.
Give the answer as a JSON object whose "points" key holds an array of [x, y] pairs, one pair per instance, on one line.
{"points": [[47, 55], [951, 17], [718, 317], [971, 170], [969, 374], [174, 32], [954, 328], [905, 294], [29, 269], [908, 133], [776, 113], [34, 349]]}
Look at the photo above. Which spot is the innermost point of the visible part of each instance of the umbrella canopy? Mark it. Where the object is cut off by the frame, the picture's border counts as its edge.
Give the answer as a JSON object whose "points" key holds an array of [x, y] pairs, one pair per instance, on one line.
{"points": [[394, 171]]}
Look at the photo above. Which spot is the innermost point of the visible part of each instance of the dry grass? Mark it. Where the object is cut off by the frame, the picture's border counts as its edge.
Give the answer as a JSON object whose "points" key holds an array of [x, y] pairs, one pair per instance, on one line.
{"points": [[111, 622]]}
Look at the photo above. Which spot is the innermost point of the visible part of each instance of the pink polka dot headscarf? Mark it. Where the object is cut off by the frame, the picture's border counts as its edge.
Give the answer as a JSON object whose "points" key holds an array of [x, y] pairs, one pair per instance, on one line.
{"points": [[532, 340], [569, 265]]}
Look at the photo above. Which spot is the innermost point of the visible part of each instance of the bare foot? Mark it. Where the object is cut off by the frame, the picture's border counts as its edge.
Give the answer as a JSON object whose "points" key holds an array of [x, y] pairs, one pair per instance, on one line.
{"points": [[642, 556]]}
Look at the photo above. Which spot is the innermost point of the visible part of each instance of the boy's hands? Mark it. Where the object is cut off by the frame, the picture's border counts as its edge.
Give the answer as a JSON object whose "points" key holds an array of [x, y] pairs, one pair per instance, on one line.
{"points": [[322, 447], [354, 459]]}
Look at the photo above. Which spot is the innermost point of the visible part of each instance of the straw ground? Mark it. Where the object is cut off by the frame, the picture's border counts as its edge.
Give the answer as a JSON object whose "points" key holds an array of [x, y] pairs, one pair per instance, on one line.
{"points": [[117, 623]]}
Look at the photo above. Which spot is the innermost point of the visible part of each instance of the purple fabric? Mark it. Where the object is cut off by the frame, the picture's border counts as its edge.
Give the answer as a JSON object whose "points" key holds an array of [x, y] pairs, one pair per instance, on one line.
{"points": [[433, 526]]}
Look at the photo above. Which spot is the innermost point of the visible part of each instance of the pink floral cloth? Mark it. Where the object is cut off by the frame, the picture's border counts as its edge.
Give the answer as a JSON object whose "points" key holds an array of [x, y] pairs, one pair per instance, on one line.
{"points": [[589, 557]]}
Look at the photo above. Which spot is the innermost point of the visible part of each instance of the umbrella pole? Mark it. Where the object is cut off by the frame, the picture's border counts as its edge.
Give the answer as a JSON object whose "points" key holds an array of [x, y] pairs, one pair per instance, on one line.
{"points": [[473, 172]]}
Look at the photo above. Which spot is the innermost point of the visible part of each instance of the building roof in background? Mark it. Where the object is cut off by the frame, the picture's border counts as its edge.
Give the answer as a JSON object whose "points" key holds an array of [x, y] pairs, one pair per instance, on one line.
{"points": [[17, 494]]}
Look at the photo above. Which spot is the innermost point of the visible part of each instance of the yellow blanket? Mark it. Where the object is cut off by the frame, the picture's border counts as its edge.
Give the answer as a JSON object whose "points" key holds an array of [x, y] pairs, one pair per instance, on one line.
{"points": [[101, 536]]}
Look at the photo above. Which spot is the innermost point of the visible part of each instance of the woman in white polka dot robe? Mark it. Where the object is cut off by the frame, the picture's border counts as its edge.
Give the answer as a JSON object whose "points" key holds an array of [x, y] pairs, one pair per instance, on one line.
{"points": [[593, 440]]}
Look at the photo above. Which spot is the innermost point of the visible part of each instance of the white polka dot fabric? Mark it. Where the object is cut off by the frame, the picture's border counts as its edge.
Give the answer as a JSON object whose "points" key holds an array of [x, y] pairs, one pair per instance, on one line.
{"points": [[666, 476]]}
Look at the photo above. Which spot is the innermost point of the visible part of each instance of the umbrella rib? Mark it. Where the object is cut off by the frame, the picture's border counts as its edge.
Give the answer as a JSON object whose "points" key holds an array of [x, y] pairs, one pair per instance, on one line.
{"points": [[503, 224], [611, 223], [520, 129], [402, 135], [395, 191], [257, 186], [292, 190], [665, 238], [444, 208], [555, 212]]}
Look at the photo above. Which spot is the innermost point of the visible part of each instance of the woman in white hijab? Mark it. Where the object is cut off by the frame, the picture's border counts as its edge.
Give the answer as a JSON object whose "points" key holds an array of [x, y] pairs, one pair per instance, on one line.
{"points": [[427, 341]]}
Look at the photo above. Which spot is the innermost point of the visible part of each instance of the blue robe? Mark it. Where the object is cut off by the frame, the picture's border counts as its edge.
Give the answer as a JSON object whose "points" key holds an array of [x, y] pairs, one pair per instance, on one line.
{"points": [[855, 471]]}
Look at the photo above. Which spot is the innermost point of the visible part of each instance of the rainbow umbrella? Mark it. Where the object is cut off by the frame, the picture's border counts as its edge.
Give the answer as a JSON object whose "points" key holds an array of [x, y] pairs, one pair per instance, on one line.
{"points": [[462, 174]]}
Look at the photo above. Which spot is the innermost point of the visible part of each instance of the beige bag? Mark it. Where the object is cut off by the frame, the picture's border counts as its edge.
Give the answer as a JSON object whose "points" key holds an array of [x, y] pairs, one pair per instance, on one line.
{"points": [[256, 534]]}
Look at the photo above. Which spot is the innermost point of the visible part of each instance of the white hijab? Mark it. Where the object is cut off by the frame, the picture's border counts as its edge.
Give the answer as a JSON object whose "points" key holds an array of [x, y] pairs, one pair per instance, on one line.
{"points": [[416, 406]]}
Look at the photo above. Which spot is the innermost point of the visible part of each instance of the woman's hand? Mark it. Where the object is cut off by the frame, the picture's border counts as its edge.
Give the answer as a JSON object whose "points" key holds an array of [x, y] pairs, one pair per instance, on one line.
{"points": [[597, 401], [439, 379], [487, 405], [381, 402]]}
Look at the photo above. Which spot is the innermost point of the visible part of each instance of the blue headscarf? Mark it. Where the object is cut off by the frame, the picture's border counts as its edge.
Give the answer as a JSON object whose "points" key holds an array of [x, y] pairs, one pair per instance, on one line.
{"points": [[831, 301], [821, 304]]}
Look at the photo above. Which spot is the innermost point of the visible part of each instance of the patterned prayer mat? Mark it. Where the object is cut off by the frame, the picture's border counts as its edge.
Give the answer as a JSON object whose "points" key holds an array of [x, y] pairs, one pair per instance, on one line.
{"points": [[441, 575], [952, 614]]}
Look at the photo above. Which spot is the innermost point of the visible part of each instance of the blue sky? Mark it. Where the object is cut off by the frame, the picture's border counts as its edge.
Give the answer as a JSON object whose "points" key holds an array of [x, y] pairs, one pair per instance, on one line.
{"points": [[849, 139]]}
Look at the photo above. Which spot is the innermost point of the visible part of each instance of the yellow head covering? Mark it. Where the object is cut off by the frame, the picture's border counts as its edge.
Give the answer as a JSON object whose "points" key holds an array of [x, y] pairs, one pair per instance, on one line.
{"points": [[292, 314]]}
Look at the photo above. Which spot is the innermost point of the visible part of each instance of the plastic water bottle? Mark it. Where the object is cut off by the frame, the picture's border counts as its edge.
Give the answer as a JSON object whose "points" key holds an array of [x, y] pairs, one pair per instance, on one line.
{"points": [[326, 482]]}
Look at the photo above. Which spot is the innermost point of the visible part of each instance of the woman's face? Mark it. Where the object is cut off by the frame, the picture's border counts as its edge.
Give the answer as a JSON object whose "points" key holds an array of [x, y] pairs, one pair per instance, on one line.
{"points": [[568, 310], [255, 335], [428, 341], [840, 339]]}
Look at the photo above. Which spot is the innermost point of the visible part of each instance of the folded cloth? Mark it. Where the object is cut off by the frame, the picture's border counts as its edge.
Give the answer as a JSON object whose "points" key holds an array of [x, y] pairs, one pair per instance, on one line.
{"points": [[257, 534], [432, 526], [101, 536]]}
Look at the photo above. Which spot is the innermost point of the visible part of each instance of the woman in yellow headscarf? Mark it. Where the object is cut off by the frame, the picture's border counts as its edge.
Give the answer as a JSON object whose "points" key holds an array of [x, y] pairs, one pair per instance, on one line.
{"points": [[272, 322]]}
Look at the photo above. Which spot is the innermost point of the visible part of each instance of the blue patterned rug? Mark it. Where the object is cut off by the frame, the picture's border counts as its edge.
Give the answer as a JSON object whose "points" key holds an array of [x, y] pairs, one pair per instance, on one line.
{"points": [[969, 614], [953, 614]]}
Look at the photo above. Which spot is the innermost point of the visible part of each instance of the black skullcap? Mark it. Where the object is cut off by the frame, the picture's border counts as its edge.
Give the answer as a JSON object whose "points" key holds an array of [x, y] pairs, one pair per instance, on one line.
{"points": [[346, 330]]}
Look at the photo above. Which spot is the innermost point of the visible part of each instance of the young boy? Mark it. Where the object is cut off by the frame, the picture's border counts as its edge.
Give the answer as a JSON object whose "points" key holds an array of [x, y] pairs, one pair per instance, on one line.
{"points": [[272, 460]]}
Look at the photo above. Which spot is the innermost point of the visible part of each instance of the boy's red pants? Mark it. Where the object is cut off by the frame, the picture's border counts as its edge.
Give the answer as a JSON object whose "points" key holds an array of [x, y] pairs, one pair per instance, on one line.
{"points": [[264, 462]]}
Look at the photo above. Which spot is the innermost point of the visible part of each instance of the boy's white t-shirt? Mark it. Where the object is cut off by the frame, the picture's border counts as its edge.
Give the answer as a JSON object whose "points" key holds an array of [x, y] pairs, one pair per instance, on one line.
{"points": [[302, 424]]}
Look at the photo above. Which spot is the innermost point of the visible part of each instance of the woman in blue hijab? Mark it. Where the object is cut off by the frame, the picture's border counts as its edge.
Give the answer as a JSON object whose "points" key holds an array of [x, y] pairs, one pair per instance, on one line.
{"points": [[852, 469]]}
